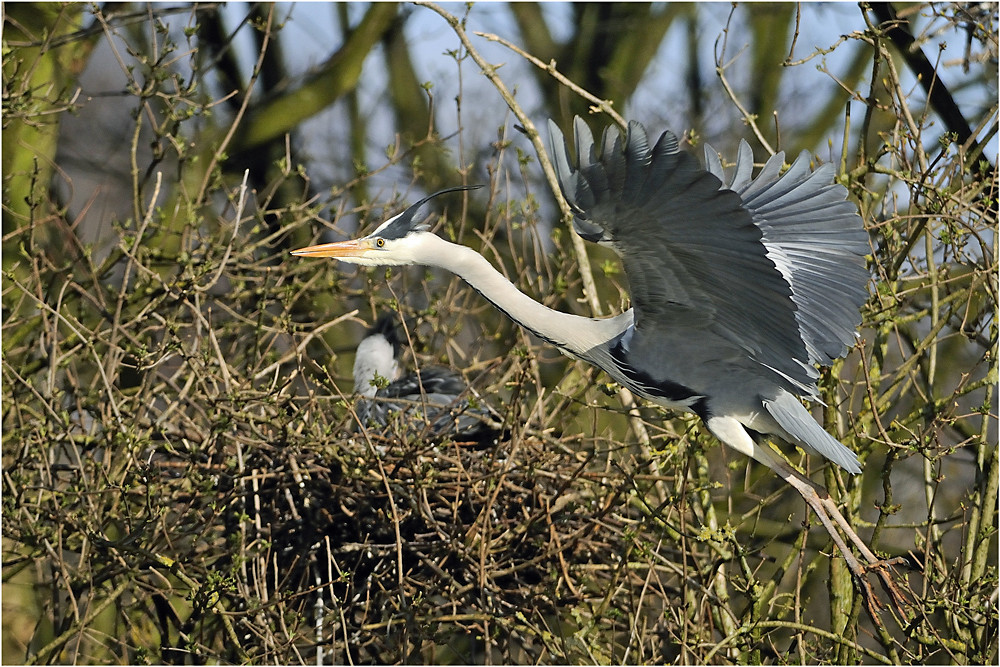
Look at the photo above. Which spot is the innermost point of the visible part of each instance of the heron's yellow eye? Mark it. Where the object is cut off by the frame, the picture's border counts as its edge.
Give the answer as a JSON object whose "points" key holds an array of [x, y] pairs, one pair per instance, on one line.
{"points": [[379, 243]]}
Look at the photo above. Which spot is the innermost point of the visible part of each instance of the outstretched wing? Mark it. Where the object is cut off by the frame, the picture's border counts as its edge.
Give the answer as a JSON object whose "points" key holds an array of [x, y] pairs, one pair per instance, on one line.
{"points": [[816, 239], [695, 258]]}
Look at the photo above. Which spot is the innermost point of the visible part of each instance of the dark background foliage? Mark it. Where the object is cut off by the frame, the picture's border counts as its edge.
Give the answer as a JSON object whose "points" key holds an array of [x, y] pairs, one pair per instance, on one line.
{"points": [[182, 477]]}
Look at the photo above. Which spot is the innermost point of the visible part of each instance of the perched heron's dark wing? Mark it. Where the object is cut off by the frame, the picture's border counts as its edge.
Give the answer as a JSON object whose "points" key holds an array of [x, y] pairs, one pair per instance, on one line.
{"points": [[446, 407], [815, 238], [694, 258], [435, 380]]}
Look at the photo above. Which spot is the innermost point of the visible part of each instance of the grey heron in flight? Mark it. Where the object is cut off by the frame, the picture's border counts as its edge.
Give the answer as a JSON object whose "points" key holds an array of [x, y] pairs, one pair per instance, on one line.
{"points": [[739, 287], [433, 401]]}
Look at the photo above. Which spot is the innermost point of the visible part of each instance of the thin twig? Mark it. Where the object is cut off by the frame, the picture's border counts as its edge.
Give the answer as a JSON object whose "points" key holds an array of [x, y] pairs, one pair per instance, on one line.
{"points": [[604, 106], [720, 69]]}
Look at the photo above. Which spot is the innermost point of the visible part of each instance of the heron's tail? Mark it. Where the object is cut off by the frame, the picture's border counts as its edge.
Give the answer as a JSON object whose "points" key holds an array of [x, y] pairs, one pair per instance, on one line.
{"points": [[803, 430]]}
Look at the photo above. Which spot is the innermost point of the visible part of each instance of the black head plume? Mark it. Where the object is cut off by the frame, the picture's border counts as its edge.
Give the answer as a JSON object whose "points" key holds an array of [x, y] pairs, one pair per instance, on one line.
{"points": [[408, 220]]}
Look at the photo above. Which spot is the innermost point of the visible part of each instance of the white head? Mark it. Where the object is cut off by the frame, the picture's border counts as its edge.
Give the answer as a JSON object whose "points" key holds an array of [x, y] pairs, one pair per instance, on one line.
{"points": [[375, 359], [400, 240]]}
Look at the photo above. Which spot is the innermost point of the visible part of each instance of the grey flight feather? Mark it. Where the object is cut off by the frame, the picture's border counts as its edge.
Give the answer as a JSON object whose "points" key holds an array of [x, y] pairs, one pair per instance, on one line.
{"points": [[815, 238]]}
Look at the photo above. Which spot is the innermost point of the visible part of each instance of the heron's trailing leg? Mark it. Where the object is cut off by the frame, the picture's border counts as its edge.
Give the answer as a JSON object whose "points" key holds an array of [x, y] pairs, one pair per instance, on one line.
{"points": [[826, 509], [731, 432]]}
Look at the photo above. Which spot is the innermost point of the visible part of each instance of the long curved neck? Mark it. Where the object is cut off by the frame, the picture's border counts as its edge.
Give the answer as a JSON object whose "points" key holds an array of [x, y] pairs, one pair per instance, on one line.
{"points": [[571, 333]]}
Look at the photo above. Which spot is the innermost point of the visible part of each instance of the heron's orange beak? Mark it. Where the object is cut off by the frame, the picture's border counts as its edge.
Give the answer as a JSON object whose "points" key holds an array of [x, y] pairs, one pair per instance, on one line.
{"points": [[354, 248]]}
